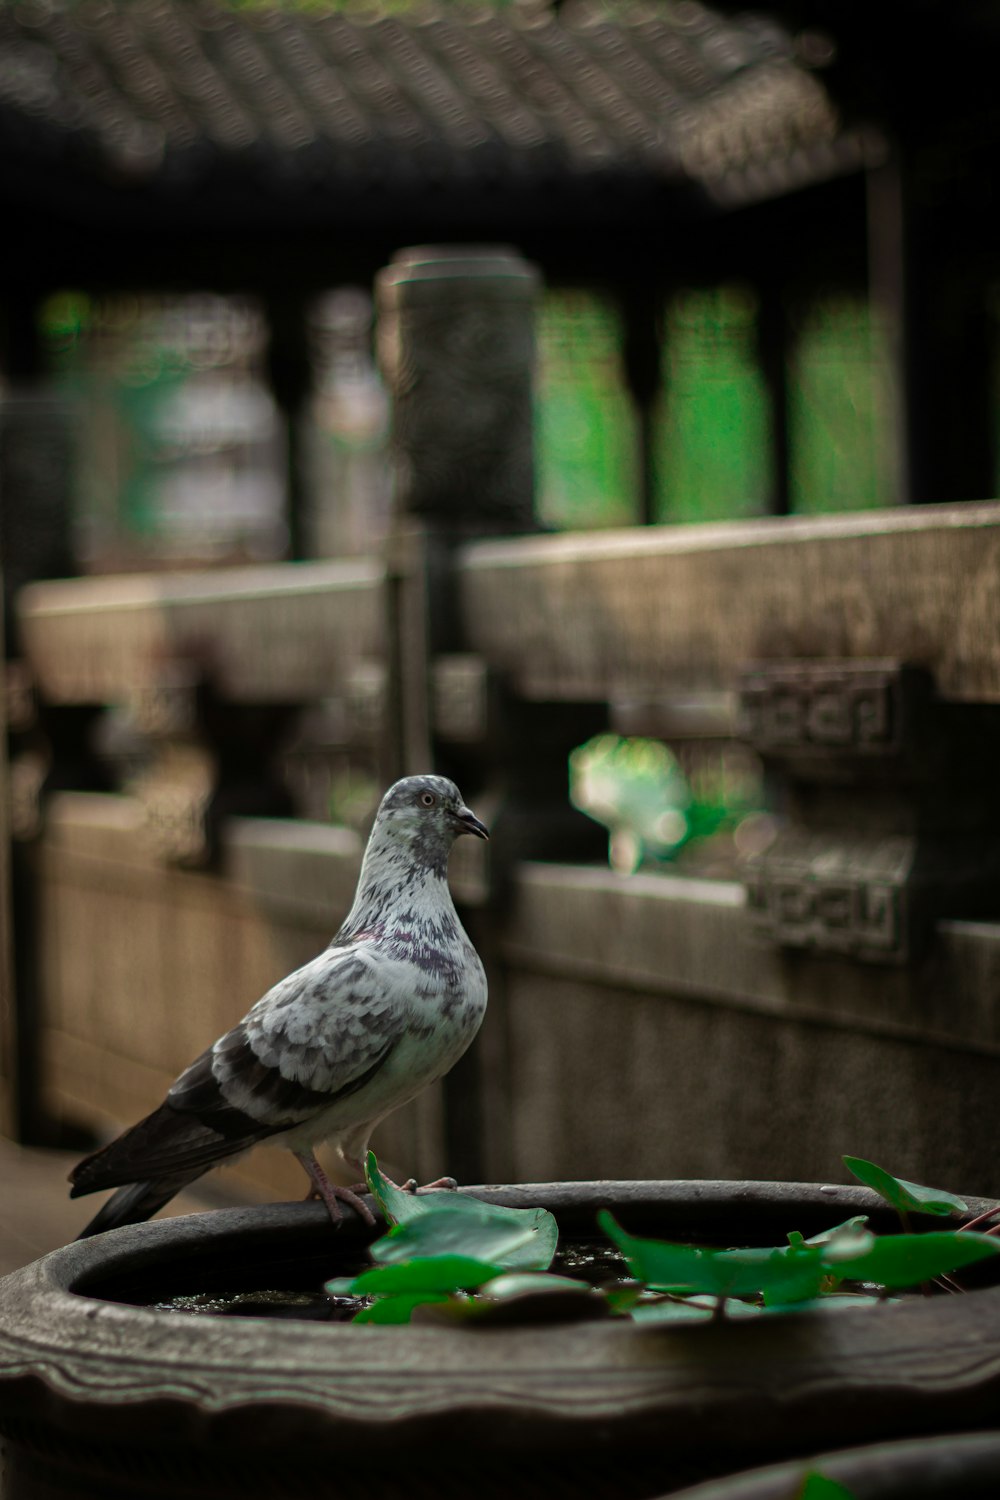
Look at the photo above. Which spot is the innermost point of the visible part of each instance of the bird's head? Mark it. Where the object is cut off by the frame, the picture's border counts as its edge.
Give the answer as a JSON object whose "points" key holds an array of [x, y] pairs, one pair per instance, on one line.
{"points": [[426, 814]]}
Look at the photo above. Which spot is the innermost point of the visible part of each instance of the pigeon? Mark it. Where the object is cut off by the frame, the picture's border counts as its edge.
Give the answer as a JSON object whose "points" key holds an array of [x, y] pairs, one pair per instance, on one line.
{"points": [[386, 1009]]}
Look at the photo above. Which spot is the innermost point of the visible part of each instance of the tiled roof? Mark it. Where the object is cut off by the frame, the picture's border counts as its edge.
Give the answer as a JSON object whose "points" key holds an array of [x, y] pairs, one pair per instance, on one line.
{"points": [[169, 93]]}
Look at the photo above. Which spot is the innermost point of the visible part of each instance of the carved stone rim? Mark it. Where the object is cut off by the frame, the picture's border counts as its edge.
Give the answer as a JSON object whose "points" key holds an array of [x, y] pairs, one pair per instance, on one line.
{"points": [[93, 1367], [956, 1461]]}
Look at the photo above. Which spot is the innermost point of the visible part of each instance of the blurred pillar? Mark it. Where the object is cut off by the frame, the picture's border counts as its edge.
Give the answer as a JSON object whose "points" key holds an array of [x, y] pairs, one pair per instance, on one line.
{"points": [[21, 354], [773, 352], [642, 360], [933, 292], [37, 441], [37, 524], [289, 373], [8, 1017]]}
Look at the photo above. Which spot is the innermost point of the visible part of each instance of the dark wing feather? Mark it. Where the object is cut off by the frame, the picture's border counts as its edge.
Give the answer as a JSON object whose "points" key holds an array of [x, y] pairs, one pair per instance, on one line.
{"points": [[197, 1126], [165, 1143]]}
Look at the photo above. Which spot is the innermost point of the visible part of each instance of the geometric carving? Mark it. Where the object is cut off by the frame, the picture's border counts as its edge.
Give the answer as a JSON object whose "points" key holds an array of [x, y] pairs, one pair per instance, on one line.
{"points": [[877, 898], [853, 708], [835, 895], [834, 917]]}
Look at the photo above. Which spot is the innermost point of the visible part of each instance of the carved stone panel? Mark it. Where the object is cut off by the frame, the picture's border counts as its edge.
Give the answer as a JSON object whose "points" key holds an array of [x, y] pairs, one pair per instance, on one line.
{"points": [[835, 895], [843, 708], [875, 898]]}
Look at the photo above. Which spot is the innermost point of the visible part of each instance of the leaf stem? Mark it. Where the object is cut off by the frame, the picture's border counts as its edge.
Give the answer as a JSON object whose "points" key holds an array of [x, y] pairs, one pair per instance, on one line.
{"points": [[981, 1219]]}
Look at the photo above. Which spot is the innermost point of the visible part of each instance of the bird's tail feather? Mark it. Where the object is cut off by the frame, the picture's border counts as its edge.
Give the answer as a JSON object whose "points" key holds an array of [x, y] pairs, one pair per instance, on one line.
{"points": [[135, 1203]]}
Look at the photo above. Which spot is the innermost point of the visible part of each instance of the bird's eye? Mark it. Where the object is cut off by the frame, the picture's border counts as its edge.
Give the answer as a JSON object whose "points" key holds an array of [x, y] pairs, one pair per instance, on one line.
{"points": [[428, 799]]}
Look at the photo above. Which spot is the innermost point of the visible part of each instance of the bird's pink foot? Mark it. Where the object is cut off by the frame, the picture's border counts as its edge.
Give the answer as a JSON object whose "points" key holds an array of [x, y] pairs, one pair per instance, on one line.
{"points": [[331, 1193]]}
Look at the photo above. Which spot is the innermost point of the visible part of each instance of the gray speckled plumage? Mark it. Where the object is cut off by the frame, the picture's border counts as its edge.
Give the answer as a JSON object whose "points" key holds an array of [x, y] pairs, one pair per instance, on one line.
{"points": [[385, 1010]]}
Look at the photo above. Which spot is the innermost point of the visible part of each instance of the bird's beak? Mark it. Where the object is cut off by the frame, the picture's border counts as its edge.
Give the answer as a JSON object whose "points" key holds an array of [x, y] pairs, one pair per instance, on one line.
{"points": [[469, 823]]}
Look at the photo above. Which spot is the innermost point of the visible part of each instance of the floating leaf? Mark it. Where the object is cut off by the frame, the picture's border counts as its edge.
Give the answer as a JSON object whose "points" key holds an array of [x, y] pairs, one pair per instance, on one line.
{"points": [[405, 1208], [398, 1205], [905, 1197], [846, 1242], [341, 1286], [818, 1487], [397, 1309], [689, 1310], [472, 1230], [622, 1299], [781, 1274], [901, 1260], [431, 1273], [830, 1302], [523, 1297], [858, 1222], [698, 1309], [531, 1284]]}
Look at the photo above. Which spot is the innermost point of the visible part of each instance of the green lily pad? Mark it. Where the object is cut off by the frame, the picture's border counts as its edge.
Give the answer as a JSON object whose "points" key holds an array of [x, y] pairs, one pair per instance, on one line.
{"points": [[448, 1222], [431, 1273], [524, 1297], [782, 1274], [859, 1222], [398, 1309], [901, 1260], [697, 1309], [819, 1487], [398, 1206], [905, 1197]]}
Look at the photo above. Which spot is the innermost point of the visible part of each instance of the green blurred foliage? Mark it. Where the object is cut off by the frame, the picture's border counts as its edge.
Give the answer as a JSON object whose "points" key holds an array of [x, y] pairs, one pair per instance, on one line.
{"points": [[713, 459], [655, 811], [586, 444], [839, 409]]}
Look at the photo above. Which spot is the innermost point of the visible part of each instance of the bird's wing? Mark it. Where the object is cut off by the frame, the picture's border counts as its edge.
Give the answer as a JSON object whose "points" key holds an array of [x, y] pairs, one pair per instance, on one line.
{"points": [[318, 1037]]}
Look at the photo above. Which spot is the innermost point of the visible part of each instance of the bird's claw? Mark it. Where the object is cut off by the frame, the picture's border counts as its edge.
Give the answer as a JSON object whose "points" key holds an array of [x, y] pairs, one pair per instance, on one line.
{"points": [[351, 1198], [445, 1184], [331, 1193]]}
